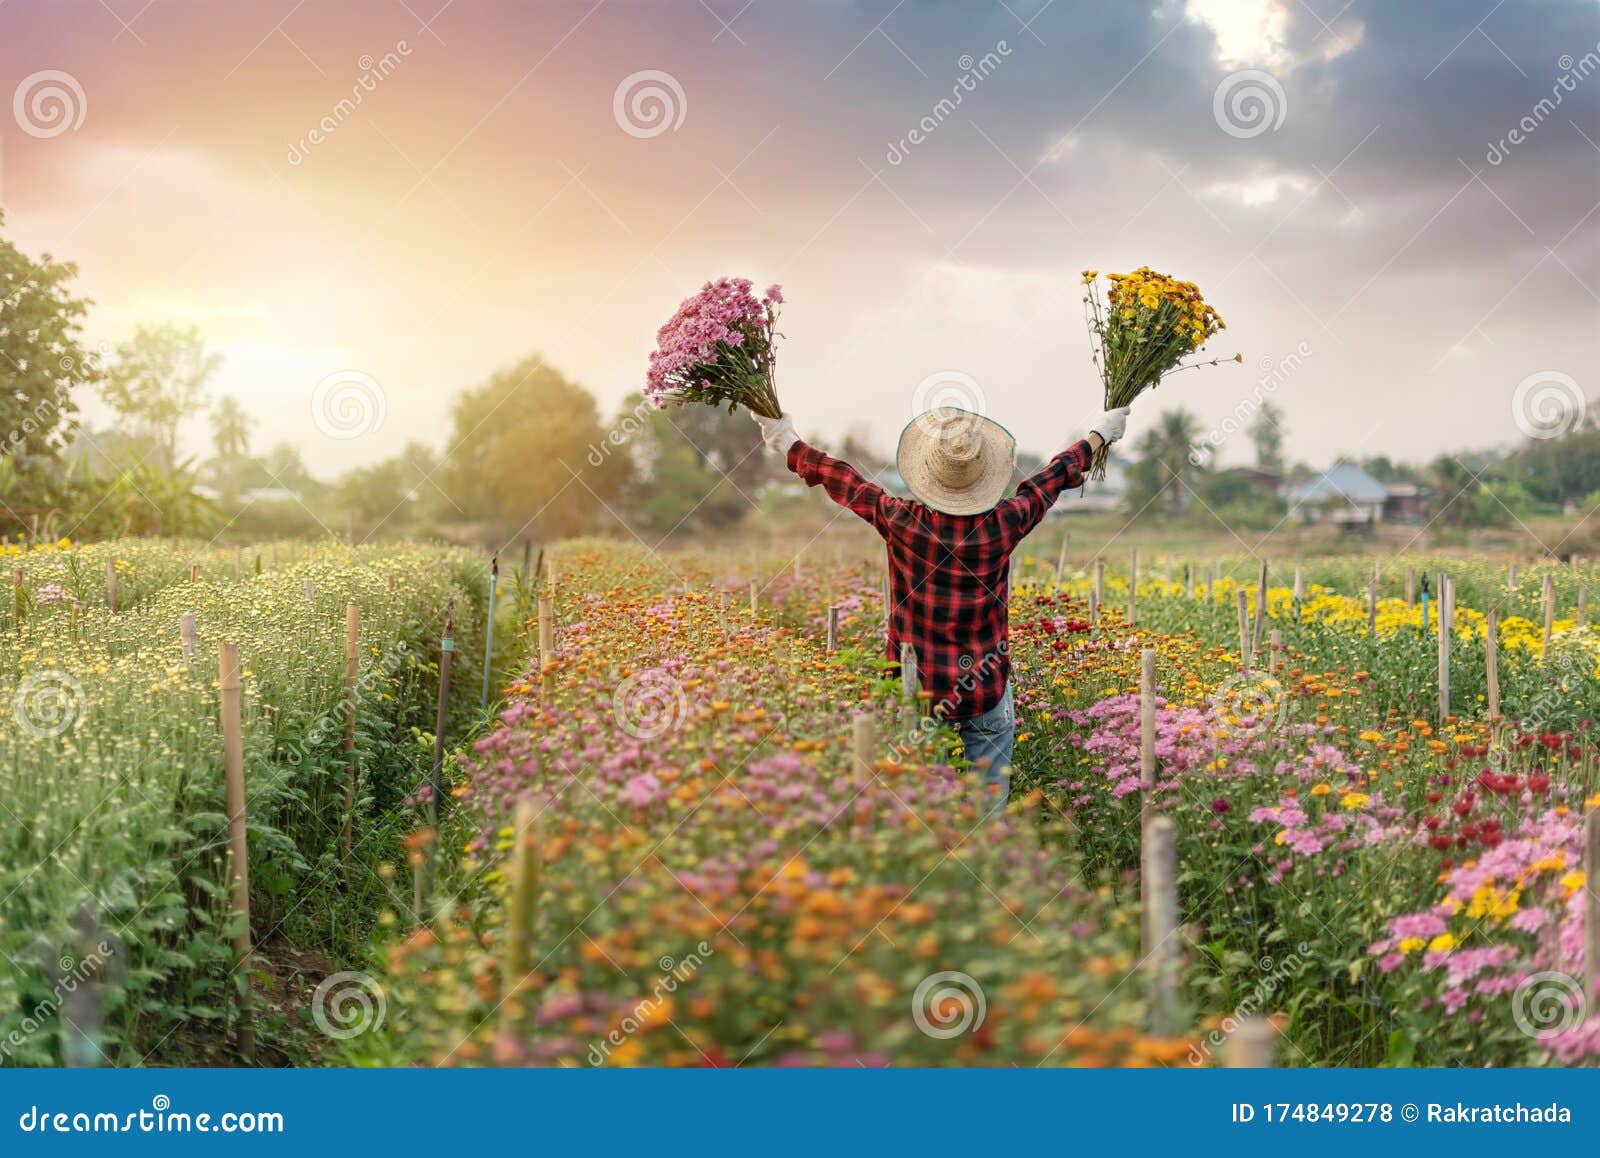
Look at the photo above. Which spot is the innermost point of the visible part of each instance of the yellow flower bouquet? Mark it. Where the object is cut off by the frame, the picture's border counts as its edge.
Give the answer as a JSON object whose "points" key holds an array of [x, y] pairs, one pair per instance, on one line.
{"points": [[1144, 329]]}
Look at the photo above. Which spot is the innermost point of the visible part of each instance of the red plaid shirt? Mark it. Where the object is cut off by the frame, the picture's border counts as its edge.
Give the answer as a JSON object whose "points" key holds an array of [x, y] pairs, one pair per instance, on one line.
{"points": [[949, 575]]}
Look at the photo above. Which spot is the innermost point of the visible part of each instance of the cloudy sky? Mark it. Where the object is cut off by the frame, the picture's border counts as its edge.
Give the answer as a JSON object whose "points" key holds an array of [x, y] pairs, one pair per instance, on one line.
{"points": [[1396, 206]]}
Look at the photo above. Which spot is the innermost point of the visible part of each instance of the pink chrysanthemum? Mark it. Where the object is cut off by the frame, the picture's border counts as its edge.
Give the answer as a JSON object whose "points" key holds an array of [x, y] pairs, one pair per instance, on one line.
{"points": [[718, 348]]}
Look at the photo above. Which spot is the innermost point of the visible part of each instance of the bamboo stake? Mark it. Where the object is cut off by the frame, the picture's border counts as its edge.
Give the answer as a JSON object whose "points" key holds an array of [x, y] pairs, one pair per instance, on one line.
{"points": [[755, 597], [194, 572], [908, 671], [238, 839], [311, 593], [863, 746], [1591, 906], [1258, 637], [447, 651], [16, 593], [1147, 731], [187, 633], [1133, 584], [833, 628], [1244, 631], [1159, 894], [1188, 580], [547, 645], [1491, 658], [1253, 1044], [1549, 612], [1411, 586], [1444, 648], [1061, 560], [488, 635], [352, 677], [111, 585], [1583, 604], [523, 907]]}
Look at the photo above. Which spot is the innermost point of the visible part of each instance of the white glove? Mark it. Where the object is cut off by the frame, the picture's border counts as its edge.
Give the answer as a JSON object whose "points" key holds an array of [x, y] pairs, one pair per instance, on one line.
{"points": [[1111, 425], [778, 433]]}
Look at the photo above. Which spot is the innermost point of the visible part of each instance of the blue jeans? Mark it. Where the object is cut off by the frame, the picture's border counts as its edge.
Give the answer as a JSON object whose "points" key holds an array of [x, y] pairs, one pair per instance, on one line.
{"points": [[987, 741]]}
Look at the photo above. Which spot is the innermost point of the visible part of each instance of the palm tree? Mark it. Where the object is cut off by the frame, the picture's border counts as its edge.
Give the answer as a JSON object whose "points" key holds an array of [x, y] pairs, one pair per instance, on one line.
{"points": [[1167, 453], [230, 428]]}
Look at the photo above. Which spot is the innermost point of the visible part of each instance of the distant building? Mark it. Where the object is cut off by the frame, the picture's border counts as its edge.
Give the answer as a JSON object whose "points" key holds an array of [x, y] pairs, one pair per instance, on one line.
{"points": [[1347, 495], [1343, 494], [1406, 503]]}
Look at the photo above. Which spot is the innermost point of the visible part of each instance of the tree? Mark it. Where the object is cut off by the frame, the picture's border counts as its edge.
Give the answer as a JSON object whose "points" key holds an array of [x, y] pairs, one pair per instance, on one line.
{"points": [[1166, 460], [528, 454], [230, 428], [1267, 433], [230, 433], [373, 493], [158, 380], [286, 469], [41, 363]]}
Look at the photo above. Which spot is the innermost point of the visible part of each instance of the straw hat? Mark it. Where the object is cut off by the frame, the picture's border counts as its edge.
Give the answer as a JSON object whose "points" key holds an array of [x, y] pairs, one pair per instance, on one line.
{"points": [[956, 461]]}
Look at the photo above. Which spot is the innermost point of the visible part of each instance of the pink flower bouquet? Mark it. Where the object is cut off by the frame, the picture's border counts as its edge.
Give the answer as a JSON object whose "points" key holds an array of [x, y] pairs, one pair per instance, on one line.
{"points": [[718, 348]]}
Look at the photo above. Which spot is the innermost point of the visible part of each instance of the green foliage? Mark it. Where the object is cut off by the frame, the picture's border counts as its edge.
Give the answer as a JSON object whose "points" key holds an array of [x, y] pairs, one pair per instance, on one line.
{"points": [[159, 379], [41, 363], [125, 804], [520, 454]]}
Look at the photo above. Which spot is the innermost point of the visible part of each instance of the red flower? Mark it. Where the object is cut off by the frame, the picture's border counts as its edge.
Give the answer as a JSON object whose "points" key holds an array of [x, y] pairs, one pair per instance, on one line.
{"points": [[1219, 806]]}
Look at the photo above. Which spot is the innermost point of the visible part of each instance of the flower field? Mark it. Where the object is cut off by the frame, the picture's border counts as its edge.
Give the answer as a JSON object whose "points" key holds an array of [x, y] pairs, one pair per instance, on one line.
{"points": [[113, 875], [705, 873]]}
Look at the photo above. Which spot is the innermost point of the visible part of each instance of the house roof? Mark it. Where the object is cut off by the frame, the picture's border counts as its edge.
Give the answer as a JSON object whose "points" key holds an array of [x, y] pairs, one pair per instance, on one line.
{"points": [[1341, 482]]}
